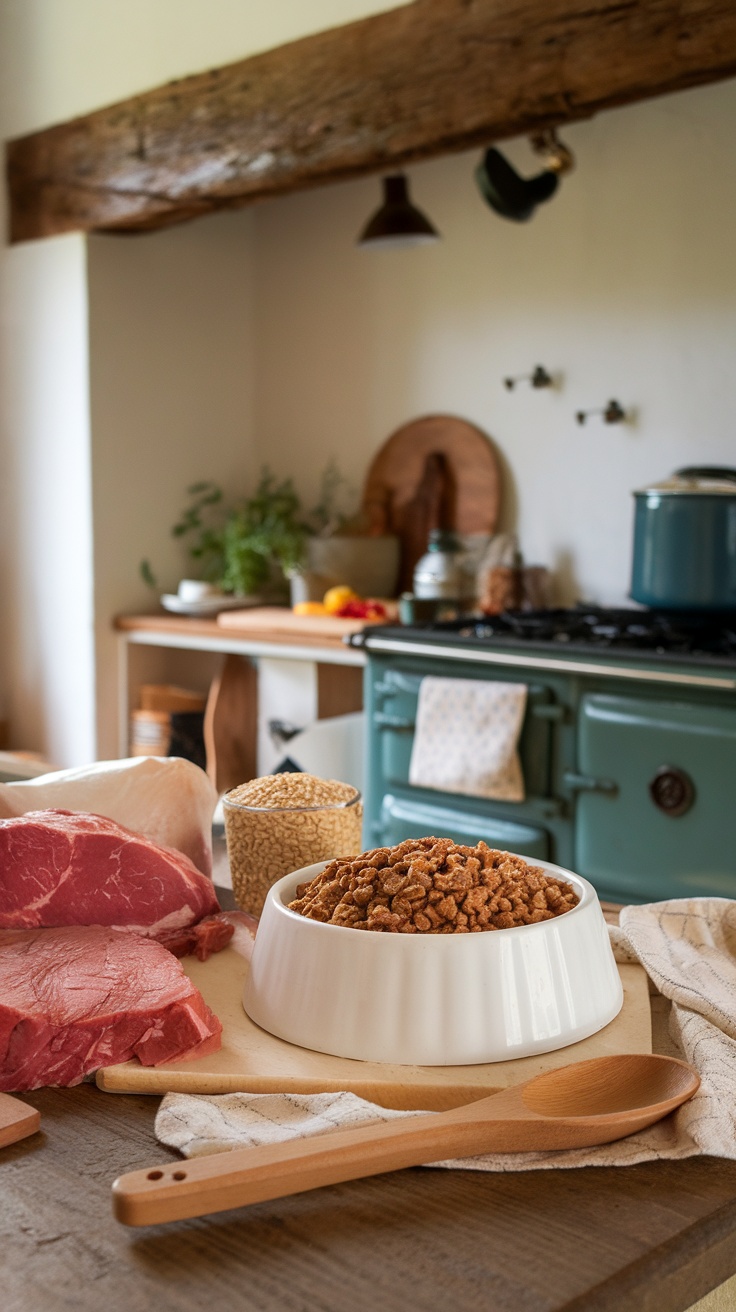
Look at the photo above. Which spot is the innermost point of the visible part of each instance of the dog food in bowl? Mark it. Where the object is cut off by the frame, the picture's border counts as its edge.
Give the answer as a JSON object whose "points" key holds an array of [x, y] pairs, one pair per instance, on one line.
{"points": [[433, 886], [431, 999]]}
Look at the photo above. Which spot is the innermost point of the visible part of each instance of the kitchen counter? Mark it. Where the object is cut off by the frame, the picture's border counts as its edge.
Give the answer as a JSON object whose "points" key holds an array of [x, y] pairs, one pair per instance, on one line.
{"points": [[208, 635], [654, 1237]]}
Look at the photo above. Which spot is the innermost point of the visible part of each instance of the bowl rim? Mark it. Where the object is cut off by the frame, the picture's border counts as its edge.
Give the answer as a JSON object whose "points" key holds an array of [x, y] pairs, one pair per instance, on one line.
{"points": [[588, 897]]}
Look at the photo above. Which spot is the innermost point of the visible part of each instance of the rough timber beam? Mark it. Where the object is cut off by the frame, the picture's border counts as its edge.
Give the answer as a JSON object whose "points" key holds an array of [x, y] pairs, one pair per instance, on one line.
{"points": [[426, 79]]}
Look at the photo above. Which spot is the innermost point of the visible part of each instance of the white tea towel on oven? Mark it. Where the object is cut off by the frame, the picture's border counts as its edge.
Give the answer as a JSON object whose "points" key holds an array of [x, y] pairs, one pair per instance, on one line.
{"points": [[687, 947], [466, 738]]}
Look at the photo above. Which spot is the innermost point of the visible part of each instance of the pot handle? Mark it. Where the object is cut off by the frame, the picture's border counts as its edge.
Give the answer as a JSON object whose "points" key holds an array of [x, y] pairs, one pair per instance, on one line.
{"points": [[707, 471]]}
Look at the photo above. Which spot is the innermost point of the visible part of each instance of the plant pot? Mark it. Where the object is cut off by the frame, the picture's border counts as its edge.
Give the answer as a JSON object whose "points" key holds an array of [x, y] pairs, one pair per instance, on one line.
{"points": [[370, 566]]}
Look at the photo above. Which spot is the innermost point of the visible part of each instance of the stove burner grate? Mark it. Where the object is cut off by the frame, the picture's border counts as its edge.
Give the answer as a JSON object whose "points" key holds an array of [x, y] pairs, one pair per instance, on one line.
{"points": [[659, 632]]}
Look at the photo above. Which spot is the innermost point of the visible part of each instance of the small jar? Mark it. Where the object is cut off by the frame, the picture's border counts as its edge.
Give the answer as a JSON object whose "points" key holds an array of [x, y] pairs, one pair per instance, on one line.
{"points": [[270, 836]]}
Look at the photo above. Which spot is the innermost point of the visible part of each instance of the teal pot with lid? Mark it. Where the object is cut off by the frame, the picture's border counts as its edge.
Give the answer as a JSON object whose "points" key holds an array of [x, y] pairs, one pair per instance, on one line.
{"points": [[685, 541]]}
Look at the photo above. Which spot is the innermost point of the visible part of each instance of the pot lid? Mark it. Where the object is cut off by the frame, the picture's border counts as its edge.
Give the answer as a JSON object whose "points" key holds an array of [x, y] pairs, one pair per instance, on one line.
{"points": [[695, 480]]}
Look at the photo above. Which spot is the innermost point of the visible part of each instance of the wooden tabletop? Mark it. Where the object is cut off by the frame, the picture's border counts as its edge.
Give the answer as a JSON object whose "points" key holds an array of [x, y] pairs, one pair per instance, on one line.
{"points": [[650, 1238], [654, 1238]]}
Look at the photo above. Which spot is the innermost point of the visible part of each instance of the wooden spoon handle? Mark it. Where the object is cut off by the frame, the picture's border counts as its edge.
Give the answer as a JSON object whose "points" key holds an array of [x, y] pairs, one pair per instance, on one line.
{"points": [[216, 1182]]}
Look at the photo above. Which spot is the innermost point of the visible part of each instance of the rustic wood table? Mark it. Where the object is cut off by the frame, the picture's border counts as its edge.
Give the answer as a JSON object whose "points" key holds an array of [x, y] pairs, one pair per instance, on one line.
{"points": [[649, 1238]]}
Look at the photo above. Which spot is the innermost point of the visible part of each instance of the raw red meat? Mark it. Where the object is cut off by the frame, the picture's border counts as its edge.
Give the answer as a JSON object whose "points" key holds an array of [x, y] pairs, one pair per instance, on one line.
{"points": [[72, 868], [210, 935], [75, 999], [167, 799]]}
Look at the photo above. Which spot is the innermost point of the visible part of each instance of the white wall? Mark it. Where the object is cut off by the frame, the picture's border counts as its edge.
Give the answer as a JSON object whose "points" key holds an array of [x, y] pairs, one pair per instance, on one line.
{"points": [[47, 613], [625, 283], [61, 58], [296, 346], [170, 355]]}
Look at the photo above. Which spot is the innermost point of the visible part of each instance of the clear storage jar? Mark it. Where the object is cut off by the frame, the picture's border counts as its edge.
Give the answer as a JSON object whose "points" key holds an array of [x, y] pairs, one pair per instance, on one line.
{"points": [[265, 842]]}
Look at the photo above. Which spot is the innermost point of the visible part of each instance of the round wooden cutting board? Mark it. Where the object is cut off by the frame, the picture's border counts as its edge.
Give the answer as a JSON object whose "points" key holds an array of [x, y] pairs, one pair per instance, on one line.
{"points": [[435, 472]]}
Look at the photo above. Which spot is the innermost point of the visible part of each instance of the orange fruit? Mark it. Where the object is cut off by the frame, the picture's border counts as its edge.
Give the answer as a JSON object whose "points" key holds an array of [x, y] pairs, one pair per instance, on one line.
{"points": [[310, 608], [335, 598]]}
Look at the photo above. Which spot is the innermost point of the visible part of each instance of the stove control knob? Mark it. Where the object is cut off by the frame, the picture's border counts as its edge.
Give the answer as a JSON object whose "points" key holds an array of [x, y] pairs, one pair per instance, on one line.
{"points": [[672, 790]]}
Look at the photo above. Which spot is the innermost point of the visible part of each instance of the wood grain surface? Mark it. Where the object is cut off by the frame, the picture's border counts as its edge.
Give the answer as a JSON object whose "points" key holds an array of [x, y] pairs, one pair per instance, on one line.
{"points": [[17, 1119], [198, 628], [650, 1238], [279, 619], [586, 1104], [231, 724], [408, 493], [254, 1061], [420, 80]]}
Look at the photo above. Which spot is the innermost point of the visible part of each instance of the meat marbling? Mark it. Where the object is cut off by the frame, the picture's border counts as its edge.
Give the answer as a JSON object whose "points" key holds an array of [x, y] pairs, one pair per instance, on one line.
{"points": [[167, 799], [75, 999], [72, 868]]}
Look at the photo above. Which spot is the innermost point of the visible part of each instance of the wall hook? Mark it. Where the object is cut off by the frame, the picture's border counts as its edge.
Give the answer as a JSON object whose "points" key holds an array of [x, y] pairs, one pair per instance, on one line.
{"points": [[538, 378], [613, 413]]}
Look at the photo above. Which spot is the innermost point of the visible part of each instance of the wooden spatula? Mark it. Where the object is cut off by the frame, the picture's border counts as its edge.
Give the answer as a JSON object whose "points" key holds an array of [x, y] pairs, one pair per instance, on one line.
{"points": [[589, 1102], [17, 1119]]}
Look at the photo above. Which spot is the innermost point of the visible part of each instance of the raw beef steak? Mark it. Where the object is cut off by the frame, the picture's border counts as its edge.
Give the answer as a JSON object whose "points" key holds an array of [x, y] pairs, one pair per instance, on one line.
{"points": [[168, 800], [72, 868], [75, 999]]}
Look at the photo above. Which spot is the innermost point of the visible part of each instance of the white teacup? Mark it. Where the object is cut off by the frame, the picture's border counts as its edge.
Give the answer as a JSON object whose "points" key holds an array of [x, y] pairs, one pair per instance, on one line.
{"points": [[191, 590]]}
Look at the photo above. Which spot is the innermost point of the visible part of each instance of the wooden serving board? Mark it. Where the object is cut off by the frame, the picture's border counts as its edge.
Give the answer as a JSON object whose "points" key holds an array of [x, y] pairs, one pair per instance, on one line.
{"points": [[17, 1119], [435, 472], [278, 619], [253, 1061]]}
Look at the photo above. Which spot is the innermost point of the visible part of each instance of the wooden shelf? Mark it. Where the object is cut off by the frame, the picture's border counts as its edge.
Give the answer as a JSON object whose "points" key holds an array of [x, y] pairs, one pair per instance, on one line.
{"points": [[231, 715], [208, 635]]}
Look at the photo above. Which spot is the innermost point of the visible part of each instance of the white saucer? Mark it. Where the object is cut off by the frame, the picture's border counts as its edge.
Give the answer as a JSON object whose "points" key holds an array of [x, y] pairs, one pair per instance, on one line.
{"points": [[206, 605]]}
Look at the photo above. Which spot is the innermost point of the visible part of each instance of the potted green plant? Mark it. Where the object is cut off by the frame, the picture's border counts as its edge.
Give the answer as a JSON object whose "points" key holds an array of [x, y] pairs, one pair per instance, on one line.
{"points": [[260, 546], [249, 548]]}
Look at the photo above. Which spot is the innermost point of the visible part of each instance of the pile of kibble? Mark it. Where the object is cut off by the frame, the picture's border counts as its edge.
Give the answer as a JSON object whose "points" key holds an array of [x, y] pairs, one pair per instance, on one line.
{"points": [[433, 886]]}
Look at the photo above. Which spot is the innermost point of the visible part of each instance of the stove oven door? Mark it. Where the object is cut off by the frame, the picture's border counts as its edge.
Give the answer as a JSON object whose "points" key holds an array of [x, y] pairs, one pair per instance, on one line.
{"points": [[655, 814], [398, 810]]}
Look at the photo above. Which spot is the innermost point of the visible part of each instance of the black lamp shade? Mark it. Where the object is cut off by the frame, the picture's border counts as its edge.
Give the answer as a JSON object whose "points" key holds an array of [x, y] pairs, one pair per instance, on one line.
{"points": [[506, 192], [397, 222]]}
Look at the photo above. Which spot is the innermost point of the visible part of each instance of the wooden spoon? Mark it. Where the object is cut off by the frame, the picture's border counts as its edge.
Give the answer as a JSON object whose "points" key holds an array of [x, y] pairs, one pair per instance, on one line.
{"points": [[17, 1119], [590, 1102]]}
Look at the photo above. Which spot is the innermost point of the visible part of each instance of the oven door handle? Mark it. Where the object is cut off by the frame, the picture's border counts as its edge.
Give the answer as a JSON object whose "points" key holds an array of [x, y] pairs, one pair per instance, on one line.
{"points": [[383, 721], [547, 711], [585, 783]]}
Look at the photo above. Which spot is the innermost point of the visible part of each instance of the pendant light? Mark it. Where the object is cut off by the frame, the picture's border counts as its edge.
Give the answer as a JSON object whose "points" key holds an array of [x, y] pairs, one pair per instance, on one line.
{"points": [[397, 222]]}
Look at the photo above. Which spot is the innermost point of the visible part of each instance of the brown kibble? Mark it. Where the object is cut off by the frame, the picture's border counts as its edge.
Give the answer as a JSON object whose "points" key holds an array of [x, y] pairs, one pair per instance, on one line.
{"points": [[433, 886]]}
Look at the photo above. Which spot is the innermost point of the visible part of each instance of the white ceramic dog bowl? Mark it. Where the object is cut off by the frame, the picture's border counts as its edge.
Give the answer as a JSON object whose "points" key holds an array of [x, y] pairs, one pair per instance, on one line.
{"points": [[432, 999]]}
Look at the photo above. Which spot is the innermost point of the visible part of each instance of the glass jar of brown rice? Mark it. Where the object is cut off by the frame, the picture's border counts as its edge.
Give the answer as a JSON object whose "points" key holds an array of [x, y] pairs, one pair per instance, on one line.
{"points": [[280, 822]]}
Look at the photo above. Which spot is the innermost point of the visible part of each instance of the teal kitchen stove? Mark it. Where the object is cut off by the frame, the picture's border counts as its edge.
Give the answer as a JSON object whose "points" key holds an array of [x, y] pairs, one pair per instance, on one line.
{"points": [[628, 746]]}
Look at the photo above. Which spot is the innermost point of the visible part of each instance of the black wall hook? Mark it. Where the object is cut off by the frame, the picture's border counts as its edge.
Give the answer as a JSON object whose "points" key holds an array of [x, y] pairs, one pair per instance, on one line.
{"points": [[613, 413], [538, 378]]}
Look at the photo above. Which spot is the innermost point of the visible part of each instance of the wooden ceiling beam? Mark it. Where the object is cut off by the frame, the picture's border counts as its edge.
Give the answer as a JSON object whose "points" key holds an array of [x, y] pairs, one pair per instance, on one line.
{"points": [[426, 79]]}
